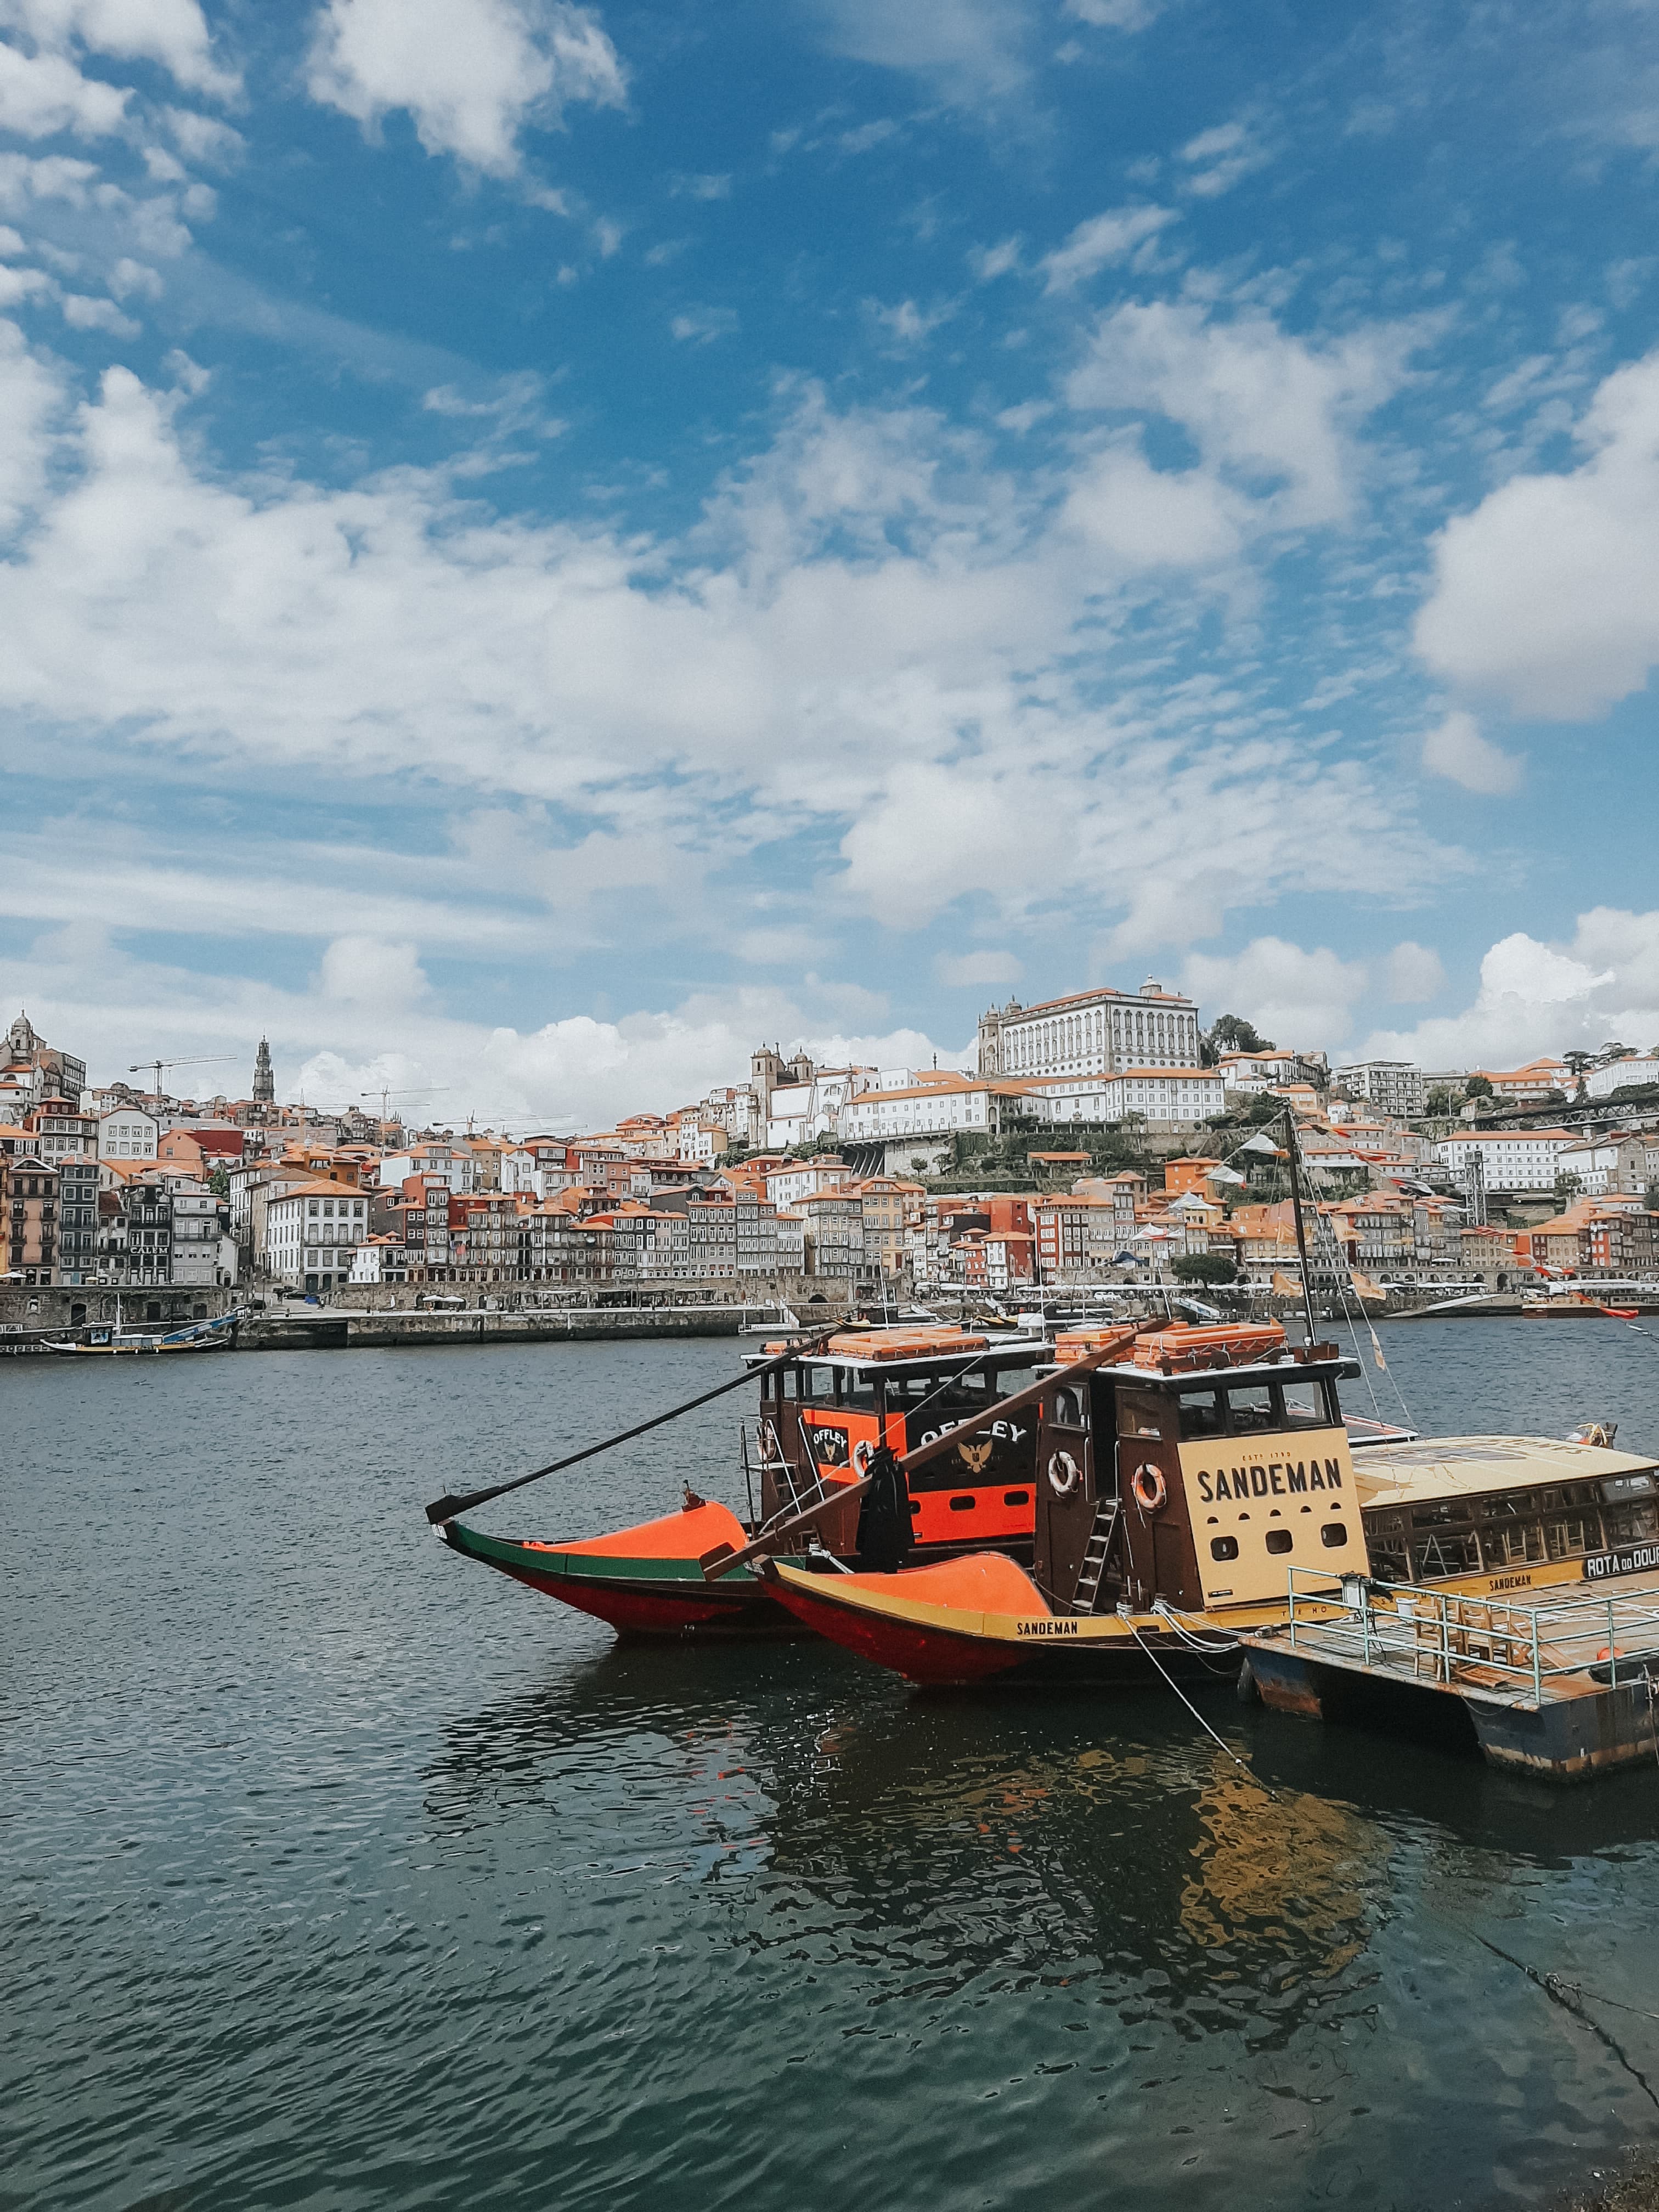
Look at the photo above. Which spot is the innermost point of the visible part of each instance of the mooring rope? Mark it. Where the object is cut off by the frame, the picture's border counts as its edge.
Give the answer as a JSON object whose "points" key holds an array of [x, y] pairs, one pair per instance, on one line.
{"points": [[1570, 1996], [1220, 1742]]}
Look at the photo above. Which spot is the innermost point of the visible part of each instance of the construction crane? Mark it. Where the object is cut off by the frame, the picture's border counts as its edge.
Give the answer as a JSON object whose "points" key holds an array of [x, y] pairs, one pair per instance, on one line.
{"points": [[206, 1059], [385, 1095]]}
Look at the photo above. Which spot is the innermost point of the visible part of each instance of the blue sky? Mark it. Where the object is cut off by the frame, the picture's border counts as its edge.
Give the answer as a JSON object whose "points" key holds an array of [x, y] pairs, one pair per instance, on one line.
{"points": [[546, 544]]}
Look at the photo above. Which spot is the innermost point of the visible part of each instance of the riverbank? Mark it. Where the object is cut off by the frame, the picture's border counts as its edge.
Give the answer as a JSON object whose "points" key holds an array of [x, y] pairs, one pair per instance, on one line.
{"points": [[1636, 2190]]}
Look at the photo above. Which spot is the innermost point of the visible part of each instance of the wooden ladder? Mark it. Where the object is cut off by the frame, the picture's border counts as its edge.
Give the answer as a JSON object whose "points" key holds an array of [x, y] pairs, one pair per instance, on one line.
{"points": [[1108, 1514]]}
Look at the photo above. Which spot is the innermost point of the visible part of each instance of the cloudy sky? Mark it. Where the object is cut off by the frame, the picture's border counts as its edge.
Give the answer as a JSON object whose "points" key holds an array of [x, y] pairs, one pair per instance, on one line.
{"points": [[544, 544]]}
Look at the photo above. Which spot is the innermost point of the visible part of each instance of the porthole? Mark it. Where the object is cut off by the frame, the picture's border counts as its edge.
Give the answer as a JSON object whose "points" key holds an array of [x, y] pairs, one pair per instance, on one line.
{"points": [[1224, 1547], [1334, 1536], [962, 1504], [1280, 1540]]}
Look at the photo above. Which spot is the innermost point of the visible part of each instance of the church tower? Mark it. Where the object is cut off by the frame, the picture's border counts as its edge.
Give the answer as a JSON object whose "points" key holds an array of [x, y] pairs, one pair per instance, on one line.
{"points": [[264, 1082]]}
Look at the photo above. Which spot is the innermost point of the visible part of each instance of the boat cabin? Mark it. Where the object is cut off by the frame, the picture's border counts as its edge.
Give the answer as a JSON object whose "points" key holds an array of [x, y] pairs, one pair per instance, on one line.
{"points": [[822, 1417], [1500, 1514], [1197, 1470]]}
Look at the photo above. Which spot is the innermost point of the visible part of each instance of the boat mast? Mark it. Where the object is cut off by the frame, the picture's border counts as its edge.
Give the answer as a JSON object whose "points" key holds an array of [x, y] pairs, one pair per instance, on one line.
{"points": [[1295, 1215]]}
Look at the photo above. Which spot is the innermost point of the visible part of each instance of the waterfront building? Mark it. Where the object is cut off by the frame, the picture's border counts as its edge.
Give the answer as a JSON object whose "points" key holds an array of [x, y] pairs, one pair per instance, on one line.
{"points": [[311, 1229], [1395, 1086], [1079, 1237], [1593, 1236], [833, 1234], [78, 1217], [28, 1191], [59, 1129], [1511, 1160], [195, 1258], [1090, 1033]]}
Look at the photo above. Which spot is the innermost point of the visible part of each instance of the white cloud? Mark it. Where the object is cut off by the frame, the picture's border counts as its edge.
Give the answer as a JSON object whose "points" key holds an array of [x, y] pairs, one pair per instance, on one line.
{"points": [[961, 971], [1116, 15], [1537, 998], [1298, 998], [82, 313], [1413, 973], [1216, 160], [1456, 751], [681, 700], [1138, 517], [360, 971], [703, 325], [969, 52], [41, 94], [1102, 240], [1546, 596], [990, 262], [173, 32], [1277, 411], [702, 188], [473, 74]]}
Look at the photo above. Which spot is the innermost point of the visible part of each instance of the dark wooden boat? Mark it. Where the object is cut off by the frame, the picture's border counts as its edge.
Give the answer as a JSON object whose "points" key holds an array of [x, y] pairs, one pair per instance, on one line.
{"points": [[825, 1412], [1176, 1485]]}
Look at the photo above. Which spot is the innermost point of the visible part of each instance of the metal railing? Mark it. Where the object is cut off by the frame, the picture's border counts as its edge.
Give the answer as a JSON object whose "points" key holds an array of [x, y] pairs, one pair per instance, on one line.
{"points": [[1446, 1638]]}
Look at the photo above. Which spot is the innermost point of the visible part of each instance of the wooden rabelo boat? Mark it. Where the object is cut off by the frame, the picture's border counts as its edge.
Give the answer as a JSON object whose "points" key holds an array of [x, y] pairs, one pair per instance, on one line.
{"points": [[826, 1410], [1181, 1470], [1180, 1487]]}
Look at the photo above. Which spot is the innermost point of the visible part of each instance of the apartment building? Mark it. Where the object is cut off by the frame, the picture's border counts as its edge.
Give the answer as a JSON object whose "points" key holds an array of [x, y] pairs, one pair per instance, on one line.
{"points": [[1393, 1086], [312, 1231], [1517, 1160]]}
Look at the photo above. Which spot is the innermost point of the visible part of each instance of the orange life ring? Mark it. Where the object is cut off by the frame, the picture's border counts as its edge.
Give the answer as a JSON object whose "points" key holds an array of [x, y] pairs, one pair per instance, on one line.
{"points": [[1064, 1474], [1151, 1492]]}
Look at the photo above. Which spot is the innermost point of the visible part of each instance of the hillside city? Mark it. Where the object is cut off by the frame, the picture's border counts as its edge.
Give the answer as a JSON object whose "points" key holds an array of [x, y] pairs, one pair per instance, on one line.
{"points": [[1107, 1137]]}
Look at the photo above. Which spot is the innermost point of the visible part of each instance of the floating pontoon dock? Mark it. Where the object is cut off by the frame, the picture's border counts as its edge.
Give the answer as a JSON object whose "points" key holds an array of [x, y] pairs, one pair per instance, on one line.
{"points": [[1562, 1682]]}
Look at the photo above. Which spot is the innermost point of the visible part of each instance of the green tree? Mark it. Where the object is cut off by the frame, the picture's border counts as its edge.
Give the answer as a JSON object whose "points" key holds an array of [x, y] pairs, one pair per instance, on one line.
{"points": [[1204, 1267], [1442, 1102], [1477, 1086], [1231, 1033], [219, 1182]]}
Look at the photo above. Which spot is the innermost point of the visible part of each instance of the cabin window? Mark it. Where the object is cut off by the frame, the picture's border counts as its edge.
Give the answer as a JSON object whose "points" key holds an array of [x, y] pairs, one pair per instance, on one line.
{"points": [[1251, 1406], [1203, 1413], [1305, 1405], [1452, 1512], [1446, 1554], [1618, 1487], [1631, 1524], [1574, 1534], [1333, 1534], [1519, 1545], [1224, 1547], [1280, 1540], [1069, 1408]]}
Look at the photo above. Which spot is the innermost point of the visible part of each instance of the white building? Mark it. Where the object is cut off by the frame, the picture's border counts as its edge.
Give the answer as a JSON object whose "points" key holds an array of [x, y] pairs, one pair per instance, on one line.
{"points": [[1526, 1159], [457, 1168], [312, 1231], [1622, 1165], [128, 1132], [933, 1107], [1617, 1074], [805, 1179], [1395, 1086], [196, 1257], [1165, 1095], [1091, 1033], [801, 1111]]}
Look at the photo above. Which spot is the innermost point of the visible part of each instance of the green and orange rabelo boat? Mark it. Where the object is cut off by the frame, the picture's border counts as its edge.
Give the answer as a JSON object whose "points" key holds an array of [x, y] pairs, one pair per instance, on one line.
{"points": [[827, 1411], [1179, 1476]]}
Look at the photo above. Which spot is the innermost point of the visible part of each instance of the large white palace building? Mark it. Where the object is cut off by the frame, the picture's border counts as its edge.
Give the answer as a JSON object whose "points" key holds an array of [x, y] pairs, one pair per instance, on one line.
{"points": [[1091, 1033]]}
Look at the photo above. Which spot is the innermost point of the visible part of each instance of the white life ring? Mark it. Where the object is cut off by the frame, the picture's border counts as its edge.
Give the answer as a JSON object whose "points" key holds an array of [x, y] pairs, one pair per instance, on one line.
{"points": [[863, 1452], [1064, 1474], [1151, 1492]]}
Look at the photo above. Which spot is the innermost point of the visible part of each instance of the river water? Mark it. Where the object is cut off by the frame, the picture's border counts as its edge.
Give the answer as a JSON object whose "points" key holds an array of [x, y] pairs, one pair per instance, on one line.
{"points": [[340, 1872]]}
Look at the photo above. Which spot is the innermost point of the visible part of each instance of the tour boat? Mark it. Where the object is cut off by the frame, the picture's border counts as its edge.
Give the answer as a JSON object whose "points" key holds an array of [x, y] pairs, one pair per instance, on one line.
{"points": [[1184, 1489], [1175, 1484], [106, 1339], [825, 1410]]}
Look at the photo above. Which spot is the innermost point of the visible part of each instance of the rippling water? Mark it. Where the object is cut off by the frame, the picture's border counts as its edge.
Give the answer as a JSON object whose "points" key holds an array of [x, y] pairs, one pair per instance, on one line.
{"points": [[339, 1872]]}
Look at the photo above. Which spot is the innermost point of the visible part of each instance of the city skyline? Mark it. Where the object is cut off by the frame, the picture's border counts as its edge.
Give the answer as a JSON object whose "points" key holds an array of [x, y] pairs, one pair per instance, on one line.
{"points": [[569, 544]]}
